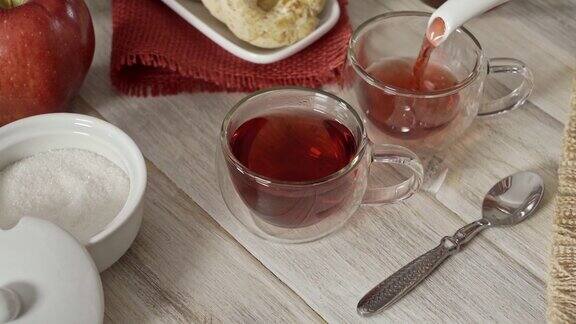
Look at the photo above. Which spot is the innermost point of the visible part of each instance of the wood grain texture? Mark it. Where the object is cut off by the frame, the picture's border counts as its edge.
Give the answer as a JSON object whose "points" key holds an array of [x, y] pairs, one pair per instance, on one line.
{"points": [[498, 278]]}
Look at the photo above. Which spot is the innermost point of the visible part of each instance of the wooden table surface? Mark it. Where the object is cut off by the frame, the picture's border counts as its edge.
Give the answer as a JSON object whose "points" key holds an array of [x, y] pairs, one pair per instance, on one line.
{"points": [[192, 262]]}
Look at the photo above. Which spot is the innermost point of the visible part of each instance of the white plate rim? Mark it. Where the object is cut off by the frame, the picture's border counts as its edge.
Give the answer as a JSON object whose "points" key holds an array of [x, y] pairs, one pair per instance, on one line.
{"points": [[332, 8]]}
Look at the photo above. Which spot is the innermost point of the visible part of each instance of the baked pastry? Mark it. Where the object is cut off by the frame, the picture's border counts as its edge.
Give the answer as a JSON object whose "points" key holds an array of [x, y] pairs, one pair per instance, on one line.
{"points": [[268, 23]]}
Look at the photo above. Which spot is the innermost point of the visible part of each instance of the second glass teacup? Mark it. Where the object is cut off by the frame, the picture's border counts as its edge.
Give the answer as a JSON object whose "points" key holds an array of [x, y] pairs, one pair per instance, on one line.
{"points": [[293, 164], [380, 59]]}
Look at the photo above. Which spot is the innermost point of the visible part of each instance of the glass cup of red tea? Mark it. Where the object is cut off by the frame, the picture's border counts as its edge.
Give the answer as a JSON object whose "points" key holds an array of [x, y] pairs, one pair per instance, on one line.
{"points": [[423, 97], [293, 164]]}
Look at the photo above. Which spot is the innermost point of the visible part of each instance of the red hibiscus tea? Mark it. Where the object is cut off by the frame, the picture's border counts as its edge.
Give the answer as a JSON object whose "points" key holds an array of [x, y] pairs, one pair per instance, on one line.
{"points": [[411, 117], [293, 146], [408, 117]]}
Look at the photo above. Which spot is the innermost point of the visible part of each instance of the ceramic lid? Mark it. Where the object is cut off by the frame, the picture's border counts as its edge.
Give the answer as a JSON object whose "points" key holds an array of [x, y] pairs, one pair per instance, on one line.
{"points": [[46, 276]]}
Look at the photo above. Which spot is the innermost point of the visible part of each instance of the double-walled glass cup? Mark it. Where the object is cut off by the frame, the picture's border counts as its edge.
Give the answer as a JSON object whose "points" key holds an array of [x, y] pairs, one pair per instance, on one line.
{"points": [[426, 121], [301, 211]]}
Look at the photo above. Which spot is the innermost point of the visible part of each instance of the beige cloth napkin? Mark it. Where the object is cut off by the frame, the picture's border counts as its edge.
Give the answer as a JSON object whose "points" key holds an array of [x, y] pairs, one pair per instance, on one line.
{"points": [[562, 277]]}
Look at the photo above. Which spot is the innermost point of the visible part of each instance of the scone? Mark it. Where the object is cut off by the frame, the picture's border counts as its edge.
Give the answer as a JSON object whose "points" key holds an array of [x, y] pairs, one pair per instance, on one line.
{"points": [[268, 23]]}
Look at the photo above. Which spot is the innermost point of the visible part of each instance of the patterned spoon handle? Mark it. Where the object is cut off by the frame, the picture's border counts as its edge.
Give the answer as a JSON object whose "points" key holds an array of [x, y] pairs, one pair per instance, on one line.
{"points": [[404, 280]]}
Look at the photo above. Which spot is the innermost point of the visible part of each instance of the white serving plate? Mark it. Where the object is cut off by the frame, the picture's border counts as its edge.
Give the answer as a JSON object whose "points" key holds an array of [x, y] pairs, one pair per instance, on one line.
{"points": [[198, 16]]}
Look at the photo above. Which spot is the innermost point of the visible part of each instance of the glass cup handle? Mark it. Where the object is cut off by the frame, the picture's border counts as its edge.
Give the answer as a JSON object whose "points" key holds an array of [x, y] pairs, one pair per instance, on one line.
{"points": [[517, 96], [400, 156]]}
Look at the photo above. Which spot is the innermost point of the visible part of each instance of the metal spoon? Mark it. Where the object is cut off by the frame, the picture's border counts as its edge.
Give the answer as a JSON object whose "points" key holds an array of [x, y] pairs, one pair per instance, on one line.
{"points": [[509, 202]]}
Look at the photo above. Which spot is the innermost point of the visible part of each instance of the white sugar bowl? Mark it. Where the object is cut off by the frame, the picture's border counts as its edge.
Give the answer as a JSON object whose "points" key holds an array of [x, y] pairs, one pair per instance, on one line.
{"points": [[42, 133]]}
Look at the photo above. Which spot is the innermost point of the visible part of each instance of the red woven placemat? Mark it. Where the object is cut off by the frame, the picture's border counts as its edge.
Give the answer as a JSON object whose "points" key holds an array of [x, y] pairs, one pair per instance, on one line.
{"points": [[155, 52]]}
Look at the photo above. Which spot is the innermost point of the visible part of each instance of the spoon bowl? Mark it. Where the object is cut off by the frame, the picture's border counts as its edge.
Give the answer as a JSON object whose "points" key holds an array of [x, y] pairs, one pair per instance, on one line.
{"points": [[513, 199]]}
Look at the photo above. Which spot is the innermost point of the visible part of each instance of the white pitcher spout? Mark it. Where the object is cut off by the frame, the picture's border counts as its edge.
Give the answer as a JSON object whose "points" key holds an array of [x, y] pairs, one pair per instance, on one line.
{"points": [[453, 14]]}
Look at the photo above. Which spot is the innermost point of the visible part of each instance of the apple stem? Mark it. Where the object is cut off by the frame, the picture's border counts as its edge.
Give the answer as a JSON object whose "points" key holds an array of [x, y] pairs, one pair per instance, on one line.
{"points": [[9, 4]]}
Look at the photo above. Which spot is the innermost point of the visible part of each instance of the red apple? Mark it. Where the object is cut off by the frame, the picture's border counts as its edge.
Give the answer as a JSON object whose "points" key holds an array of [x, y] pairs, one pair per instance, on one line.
{"points": [[46, 48]]}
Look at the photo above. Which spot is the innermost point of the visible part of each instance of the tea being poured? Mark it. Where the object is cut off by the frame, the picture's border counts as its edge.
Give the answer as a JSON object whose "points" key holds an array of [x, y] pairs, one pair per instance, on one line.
{"points": [[417, 100], [443, 22], [434, 34]]}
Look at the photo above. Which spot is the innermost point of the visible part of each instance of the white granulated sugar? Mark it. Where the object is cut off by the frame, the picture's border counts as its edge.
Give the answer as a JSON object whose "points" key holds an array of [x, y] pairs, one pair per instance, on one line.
{"points": [[78, 190]]}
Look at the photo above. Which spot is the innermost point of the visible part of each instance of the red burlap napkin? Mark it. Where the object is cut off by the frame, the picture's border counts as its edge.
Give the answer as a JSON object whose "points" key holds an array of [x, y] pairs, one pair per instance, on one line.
{"points": [[155, 52]]}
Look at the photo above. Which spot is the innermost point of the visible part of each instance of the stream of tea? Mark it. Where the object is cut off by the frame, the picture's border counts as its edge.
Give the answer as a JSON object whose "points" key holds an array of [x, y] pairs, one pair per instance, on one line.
{"points": [[433, 34]]}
